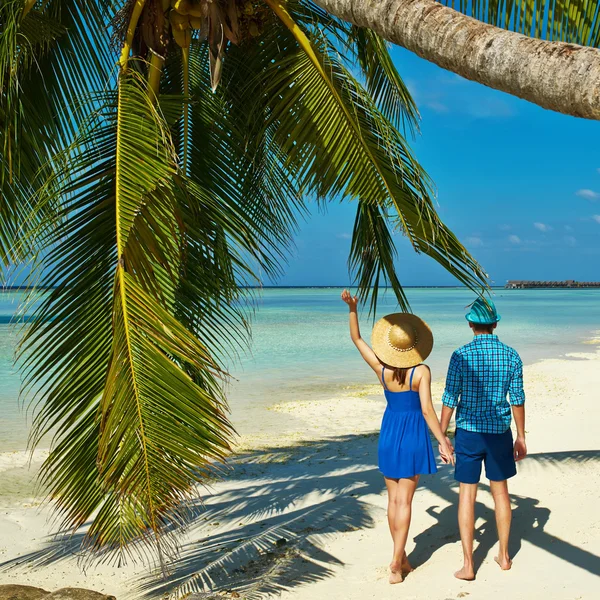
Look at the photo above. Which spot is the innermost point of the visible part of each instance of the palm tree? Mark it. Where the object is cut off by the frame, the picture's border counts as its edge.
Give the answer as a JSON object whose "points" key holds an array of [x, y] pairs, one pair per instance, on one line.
{"points": [[156, 157], [545, 52]]}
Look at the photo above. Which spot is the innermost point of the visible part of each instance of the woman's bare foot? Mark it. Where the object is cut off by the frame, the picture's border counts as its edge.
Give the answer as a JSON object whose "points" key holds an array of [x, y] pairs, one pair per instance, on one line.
{"points": [[396, 572], [466, 574], [406, 566], [504, 562]]}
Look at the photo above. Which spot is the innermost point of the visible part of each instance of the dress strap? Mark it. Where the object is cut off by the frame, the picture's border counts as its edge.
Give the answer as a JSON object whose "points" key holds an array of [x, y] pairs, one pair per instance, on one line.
{"points": [[383, 378], [411, 378]]}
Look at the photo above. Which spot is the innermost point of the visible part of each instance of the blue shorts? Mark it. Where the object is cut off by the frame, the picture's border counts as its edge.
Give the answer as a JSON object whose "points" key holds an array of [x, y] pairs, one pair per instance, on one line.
{"points": [[494, 449]]}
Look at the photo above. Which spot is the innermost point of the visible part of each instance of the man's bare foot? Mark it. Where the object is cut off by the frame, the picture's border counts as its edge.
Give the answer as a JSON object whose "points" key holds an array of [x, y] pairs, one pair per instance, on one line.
{"points": [[505, 563], [396, 573], [396, 577], [466, 574]]}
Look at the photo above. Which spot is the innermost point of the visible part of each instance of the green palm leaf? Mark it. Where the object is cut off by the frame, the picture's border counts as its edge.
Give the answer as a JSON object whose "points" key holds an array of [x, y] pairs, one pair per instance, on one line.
{"points": [[355, 152], [44, 54], [383, 82], [116, 454], [572, 21], [23, 41], [238, 207]]}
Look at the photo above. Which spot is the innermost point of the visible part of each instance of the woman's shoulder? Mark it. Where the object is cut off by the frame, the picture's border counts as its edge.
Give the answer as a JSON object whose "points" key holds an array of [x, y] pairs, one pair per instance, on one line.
{"points": [[422, 370]]}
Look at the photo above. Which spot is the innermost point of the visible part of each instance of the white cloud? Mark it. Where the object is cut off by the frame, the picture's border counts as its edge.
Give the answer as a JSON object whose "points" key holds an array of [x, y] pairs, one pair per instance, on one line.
{"points": [[446, 78], [596, 218], [474, 241], [568, 228], [343, 236], [438, 107], [504, 227], [588, 194], [488, 107], [452, 95], [598, 170], [570, 240], [411, 84], [514, 239], [542, 227]]}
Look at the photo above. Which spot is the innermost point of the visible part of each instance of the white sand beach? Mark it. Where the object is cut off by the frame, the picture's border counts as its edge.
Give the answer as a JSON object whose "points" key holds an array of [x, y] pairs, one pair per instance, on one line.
{"points": [[303, 516]]}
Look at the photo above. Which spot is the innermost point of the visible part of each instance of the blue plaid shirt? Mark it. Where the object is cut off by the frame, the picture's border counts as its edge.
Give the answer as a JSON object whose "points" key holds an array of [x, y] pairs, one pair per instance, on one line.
{"points": [[480, 375]]}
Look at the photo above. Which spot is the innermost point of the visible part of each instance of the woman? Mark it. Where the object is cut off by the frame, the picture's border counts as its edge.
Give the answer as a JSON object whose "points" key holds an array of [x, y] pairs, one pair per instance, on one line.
{"points": [[401, 342]]}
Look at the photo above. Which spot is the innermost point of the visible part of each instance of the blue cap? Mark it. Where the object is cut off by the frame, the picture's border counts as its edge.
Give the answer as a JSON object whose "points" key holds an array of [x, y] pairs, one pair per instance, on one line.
{"points": [[483, 312]]}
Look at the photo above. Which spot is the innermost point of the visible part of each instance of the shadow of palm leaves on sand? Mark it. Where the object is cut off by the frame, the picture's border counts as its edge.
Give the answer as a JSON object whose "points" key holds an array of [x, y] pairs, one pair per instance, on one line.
{"points": [[261, 533], [255, 566], [272, 548], [60, 546]]}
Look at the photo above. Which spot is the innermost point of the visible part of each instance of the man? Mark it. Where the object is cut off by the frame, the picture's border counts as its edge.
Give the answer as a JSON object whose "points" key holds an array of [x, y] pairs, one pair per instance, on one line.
{"points": [[480, 376]]}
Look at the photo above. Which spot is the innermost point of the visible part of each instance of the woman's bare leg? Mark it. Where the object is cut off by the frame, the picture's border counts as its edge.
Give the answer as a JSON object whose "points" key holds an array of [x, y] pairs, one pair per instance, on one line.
{"points": [[400, 496], [391, 485]]}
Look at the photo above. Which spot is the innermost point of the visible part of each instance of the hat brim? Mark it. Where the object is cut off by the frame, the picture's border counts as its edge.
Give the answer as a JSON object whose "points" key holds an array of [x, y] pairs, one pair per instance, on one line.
{"points": [[403, 359], [482, 322]]}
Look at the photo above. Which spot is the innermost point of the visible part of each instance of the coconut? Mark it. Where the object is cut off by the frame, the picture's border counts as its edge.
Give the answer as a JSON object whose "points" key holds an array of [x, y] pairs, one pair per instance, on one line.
{"points": [[183, 38], [196, 23], [198, 9], [179, 22], [182, 6]]}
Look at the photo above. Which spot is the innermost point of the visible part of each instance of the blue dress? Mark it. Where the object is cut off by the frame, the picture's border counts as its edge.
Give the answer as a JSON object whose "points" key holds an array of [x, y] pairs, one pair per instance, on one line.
{"points": [[404, 444]]}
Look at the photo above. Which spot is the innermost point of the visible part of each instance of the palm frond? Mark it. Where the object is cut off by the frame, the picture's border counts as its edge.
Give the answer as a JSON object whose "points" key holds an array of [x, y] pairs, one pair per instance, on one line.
{"points": [[238, 209], [361, 48], [23, 139], [372, 255], [119, 348], [383, 82], [573, 21], [43, 55], [333, 135]]}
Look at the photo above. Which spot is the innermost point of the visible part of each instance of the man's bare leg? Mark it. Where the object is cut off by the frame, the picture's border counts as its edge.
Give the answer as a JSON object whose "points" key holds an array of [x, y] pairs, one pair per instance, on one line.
{"points": [[503, 512], [466, 525]]}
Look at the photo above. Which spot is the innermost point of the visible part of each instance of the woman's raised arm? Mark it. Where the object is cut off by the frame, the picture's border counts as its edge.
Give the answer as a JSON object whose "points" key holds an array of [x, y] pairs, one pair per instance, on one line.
{"points": [[365, 350]]}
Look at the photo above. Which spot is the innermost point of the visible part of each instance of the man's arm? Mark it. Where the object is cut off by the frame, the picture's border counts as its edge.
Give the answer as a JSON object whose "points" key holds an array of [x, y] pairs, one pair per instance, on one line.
{"points": [[446, 418], [516, 397], [451, 392]]}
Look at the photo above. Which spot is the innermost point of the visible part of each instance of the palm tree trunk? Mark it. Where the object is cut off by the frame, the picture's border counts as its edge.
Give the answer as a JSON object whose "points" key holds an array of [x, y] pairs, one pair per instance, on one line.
{"points": [[555, 75]]}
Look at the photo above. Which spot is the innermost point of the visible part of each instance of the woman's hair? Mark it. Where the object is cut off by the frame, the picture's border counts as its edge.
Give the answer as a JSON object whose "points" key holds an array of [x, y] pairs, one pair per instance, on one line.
{"points": [[398, 374]]}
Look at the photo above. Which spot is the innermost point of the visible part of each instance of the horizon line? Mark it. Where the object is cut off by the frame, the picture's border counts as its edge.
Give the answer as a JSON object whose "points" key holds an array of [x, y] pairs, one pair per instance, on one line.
{"points": [[306, 286]]}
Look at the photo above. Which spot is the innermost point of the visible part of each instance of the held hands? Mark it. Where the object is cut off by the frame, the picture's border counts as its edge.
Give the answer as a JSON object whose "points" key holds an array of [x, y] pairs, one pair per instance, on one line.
{"points": [[351, 301], [447, 452], [520, 449]]}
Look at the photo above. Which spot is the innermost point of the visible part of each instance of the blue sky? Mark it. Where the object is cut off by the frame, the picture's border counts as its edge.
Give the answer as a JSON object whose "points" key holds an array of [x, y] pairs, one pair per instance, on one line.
{"points": [[519, 185]]}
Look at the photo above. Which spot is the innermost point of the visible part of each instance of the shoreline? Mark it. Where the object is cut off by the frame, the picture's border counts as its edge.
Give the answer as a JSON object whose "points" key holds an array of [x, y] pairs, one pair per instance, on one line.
{"points": [[24, 464], [304, 516]]}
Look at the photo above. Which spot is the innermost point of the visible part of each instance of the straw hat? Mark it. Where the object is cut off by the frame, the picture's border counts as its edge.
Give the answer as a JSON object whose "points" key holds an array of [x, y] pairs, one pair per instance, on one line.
{"points": [[401, 340]]}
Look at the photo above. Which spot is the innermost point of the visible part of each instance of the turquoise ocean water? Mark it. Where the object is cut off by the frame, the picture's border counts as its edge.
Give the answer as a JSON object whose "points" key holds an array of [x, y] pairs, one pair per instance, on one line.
{"points": [[301, 347]]}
